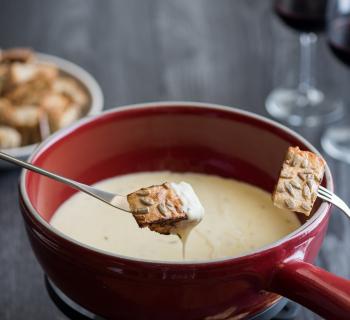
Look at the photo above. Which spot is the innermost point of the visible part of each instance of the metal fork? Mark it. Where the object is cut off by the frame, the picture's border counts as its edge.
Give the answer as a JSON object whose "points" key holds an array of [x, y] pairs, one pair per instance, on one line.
{"points": [[329, 196], [115, 200]]}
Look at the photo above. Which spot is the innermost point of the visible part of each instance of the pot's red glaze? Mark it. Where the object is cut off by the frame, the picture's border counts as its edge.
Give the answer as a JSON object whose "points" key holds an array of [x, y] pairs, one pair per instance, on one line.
{"points": [[313, 287], [178, 137]]}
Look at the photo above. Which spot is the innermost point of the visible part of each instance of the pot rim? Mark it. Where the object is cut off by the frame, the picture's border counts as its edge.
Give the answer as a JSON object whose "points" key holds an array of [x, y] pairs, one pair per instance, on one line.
{"points": [[316, 219]]}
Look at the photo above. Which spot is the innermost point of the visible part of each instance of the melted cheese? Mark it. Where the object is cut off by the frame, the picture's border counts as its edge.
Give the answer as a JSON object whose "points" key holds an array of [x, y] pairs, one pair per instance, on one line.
{"points": [[238, 218]]}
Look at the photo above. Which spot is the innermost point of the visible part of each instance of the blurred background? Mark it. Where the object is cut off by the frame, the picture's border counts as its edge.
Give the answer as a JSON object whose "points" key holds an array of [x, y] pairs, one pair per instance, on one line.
{"points": [[223, 52]]}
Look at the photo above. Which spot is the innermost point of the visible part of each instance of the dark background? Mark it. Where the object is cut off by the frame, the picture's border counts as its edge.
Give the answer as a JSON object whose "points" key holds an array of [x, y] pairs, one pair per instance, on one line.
{"points": [[148, 50]]}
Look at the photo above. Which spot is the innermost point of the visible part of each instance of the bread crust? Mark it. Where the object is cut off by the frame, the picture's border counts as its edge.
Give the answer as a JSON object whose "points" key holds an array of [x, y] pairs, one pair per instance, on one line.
{"points": [[16, 55], [9, 137], [157, 207], [300, 176], [36, 98], [61, 111]]}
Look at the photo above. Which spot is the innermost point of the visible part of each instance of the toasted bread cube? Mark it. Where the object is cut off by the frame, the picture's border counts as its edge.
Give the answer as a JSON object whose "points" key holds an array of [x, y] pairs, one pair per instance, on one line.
{"points": [[72, 89], [16, 55], [29, 93], [70, 115], [157, 207], [22, 72], [5, 108], [9, 138], [60, 110], [4, 77], [26, 120], [29, 82], [48, 71], [301, 175]]}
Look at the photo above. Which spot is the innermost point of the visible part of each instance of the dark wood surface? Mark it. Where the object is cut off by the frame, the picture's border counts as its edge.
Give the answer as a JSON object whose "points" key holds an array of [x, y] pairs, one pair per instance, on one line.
{"points": [[214, 51]]}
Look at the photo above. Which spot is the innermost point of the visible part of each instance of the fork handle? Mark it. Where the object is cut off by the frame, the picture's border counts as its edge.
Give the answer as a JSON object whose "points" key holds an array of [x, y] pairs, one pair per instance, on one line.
{"points": [[113, 200], [31, 167]]}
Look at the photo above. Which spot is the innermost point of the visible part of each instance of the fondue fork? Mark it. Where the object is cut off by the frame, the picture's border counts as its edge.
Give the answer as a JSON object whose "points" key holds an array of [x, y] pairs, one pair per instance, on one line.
{"points": [[329, 196], [115, 200], [120, 202]]}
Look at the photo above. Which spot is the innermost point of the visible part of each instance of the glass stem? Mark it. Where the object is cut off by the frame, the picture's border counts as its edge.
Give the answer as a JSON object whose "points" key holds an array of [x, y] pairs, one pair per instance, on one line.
{"points": [[307, 45]]}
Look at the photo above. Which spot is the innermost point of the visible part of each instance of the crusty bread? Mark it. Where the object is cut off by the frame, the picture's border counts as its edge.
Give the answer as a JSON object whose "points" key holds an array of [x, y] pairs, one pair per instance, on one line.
{"points": [[16, 55], [157, 207], [9, 138], [22, 72], [60, 110], [71, 89], [4, 74], [71, 114], [37, 99], [300, 176], [5, 107], [27, 83], [25, 119], [47, 71]]}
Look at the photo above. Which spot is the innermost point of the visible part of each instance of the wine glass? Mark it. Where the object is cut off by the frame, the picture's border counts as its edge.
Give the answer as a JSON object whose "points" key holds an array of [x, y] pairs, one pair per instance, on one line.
{"points": [[336, 140], [305, 104]]}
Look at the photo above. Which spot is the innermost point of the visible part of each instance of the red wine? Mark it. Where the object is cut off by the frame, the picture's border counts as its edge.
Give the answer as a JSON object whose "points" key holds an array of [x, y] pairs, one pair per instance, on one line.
{"points": [[339, 38], [302, 15]]}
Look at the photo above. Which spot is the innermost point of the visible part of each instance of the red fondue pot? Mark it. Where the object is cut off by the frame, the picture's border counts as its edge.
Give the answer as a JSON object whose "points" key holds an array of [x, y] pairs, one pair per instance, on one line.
{"points": [[177, 136]]}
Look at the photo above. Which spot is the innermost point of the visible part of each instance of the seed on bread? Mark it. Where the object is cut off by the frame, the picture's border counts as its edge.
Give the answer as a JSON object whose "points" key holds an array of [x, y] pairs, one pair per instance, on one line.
{"points": [[156, 207], [300, 176]]}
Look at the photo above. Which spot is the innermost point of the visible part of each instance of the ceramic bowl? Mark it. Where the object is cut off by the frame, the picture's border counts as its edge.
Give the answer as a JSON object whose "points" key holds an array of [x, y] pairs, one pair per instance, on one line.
{"points": [[84, 78], [177, 136]]}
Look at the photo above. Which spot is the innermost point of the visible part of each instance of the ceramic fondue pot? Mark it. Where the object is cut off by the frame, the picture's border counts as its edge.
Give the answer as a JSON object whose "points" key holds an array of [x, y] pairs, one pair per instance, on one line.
{"points": [[177, 136]]}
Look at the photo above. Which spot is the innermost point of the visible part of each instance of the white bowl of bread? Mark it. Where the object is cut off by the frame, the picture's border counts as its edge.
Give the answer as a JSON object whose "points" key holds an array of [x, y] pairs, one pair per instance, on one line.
{"points": [[40, 94]]}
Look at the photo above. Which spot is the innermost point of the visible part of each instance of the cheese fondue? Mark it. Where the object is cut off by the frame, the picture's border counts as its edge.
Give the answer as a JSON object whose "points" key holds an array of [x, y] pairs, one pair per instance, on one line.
{"points": [[238, 218]]}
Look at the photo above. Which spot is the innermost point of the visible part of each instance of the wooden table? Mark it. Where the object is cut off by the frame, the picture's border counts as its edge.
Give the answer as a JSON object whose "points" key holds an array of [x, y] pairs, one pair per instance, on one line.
{"points": [[214, 51]]}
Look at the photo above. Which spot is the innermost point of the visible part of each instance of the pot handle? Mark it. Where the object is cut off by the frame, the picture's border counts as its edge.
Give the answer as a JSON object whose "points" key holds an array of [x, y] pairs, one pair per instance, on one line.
{"points": [[321, 291]]}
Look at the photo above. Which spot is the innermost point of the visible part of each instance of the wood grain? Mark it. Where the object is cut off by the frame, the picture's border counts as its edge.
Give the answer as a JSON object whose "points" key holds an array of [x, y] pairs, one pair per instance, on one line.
{"points": [[200, 50]]}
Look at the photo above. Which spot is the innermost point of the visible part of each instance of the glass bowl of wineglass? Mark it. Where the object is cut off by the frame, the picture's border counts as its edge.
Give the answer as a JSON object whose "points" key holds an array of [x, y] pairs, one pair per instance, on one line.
{"points": [[336, 140], [303, 103]]}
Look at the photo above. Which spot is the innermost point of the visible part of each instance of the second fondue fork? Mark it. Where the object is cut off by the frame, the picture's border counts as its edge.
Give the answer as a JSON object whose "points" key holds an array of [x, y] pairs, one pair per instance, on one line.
{"points": [[120, 202]]}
